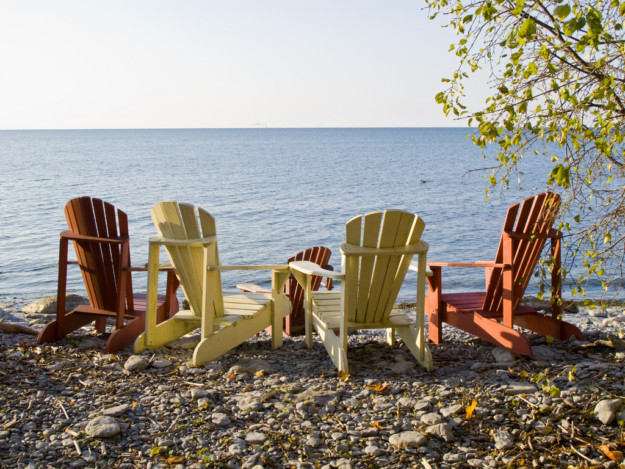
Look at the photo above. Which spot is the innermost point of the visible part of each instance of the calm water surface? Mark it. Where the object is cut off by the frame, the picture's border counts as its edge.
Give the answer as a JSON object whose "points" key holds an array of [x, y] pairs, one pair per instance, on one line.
{"points": [[273, 192]]}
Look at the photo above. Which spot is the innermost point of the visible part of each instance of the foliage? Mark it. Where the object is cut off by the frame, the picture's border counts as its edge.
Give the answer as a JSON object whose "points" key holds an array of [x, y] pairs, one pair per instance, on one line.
{"points": [[557, 90]]}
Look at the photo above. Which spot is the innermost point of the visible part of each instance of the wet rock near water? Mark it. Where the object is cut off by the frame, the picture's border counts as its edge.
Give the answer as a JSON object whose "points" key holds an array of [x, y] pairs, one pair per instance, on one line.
{"points": [[70, 405]]}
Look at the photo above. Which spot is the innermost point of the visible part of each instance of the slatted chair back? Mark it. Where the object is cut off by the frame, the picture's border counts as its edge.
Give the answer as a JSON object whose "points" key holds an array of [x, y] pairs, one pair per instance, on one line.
{"points": [[321, 257], [527, 225], [373, 277], [102, 264], [179, 221]]}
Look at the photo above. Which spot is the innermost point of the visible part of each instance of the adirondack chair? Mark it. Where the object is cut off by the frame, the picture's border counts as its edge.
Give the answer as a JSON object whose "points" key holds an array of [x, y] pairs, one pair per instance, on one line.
{"points": [[99, 232], [491, 314], [294, 322], [377, 254], [226, 320]]}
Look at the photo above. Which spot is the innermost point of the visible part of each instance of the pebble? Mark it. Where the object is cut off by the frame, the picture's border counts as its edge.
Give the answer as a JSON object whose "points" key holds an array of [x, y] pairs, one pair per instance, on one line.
{"points": [[135, 363], [102, 427], [257, 407]]}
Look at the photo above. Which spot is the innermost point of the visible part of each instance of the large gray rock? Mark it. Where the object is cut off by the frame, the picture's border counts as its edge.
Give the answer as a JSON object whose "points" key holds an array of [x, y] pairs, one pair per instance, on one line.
{"points": [[503, 440], [102, 427], [251, 365], [48, 305], [135, 363], [605, 410], [408, 439], [442, 431]]}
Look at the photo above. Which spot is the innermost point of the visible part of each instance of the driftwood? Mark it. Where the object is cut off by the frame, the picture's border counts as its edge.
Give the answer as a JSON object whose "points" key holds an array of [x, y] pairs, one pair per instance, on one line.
{"points": [[13, 328]]}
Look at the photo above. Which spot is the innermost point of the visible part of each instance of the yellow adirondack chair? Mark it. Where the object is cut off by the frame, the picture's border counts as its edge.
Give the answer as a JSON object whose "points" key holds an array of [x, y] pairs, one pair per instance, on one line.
{"points": [[190, 239], [377, 254]]}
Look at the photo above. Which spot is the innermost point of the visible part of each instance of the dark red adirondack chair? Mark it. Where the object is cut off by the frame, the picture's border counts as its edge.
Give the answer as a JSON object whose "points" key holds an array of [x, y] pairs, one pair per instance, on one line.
{"points": [[492, 314], [294, 322], [100, 235]]}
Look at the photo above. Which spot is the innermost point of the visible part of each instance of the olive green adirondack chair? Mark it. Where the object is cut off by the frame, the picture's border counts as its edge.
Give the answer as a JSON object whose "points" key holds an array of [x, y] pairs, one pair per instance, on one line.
{"points": [[226, 320], [377, 254]]}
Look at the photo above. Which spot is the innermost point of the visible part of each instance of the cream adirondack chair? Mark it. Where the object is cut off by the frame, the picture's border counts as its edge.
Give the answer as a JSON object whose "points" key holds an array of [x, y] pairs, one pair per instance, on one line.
{"points": [[190, 239], [377, 254]]}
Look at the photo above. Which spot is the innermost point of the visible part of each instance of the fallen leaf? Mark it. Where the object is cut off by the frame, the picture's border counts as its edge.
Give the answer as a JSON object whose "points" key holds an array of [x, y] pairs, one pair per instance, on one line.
{"points": [[175, 460], [379, 387], [231, 376], [134, 404], [523, 374], [616, 456], [343, 376], [377, 425], [471, 408], [260, 373]]}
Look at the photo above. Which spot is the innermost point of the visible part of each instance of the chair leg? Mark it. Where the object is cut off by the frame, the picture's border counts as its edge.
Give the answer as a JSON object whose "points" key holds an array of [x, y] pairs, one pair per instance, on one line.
{"points": [[56, 330], [423, 354], [490, 331], [227, 338], [548, 326], [125, 336]]}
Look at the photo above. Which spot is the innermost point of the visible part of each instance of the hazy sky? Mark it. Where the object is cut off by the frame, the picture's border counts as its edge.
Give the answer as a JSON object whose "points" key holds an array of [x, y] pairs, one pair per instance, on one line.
{"points": [[220, 63]]}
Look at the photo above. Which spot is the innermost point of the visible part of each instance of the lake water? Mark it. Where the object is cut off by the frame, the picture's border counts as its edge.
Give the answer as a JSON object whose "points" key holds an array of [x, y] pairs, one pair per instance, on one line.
{"points": [[273, 192]]}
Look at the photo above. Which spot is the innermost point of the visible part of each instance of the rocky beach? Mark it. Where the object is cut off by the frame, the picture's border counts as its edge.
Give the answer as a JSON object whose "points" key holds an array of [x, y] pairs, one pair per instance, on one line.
{"points": [[70, 405]]}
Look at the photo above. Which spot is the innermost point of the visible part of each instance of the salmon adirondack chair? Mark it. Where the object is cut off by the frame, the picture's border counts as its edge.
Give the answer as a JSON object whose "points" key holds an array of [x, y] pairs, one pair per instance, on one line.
{"points": [[99, 232], [294, 322], [226, 320], [377, 254], [492, 314]]}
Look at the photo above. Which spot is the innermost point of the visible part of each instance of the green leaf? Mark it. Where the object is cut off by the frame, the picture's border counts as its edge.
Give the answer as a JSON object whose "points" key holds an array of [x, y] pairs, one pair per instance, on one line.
{"points": [[562, 11], [561, 175], [527, 29]]}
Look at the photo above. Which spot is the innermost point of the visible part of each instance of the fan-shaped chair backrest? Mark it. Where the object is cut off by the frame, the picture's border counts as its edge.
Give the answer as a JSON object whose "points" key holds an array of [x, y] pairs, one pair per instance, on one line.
{"points": [[374, 277], [527, 223], [183, 222], [101, 263]]}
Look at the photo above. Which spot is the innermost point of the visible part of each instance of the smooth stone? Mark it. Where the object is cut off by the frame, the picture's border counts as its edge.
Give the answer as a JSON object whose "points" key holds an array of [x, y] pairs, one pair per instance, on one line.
{"points": [[160, 363], [314, 442], [221, 420], [115, 411], [48, 305], [135, 363], [605, 410], [403, 366], [441, 430], [254, 438], [503, 439], [317, 397], [408, 439], [432, 418], [502, 355], [102, 427], [251, 365], [372, 451], [16, 356], [451, 410], [520, 388], [247, 403]]}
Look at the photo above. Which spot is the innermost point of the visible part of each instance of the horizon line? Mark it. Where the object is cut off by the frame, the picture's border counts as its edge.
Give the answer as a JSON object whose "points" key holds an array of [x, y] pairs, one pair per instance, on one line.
{"points": [[236, 128]]}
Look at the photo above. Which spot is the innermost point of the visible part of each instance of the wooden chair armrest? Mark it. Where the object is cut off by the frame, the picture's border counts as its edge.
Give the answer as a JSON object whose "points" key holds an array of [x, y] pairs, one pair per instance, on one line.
{"points": [[415, 267], [465, 264], [277, 267], [161, 268], [68, 234], [252, 287], [200, 242], [310, 268]]}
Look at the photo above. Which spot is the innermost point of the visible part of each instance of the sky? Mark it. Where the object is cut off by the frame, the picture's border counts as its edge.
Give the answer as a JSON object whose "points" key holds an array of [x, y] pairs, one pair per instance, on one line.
{"points": [[87, 64]]}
